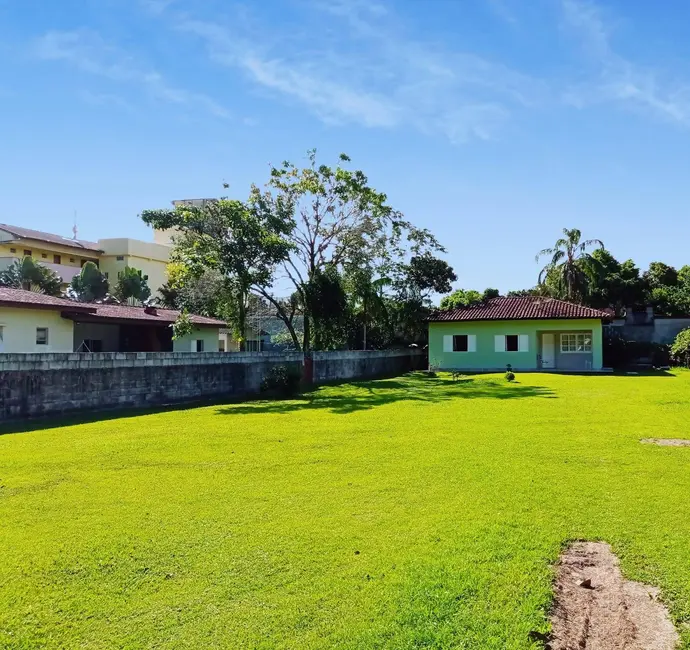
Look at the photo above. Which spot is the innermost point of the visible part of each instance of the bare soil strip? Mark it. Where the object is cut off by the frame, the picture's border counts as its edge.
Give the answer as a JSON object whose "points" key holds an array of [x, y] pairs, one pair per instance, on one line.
{"points": [[597, 609], [667, 442]]}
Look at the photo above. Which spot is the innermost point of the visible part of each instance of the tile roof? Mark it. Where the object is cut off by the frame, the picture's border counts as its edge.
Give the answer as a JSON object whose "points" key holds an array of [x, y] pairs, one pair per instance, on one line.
{"points": [[125, 312], [27, 233], [19, 297], [518, 308], [92, 311]]}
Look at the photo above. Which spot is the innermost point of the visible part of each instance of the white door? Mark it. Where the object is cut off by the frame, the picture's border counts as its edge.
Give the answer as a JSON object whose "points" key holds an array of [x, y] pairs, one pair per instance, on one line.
{"points": [[548, 350]]}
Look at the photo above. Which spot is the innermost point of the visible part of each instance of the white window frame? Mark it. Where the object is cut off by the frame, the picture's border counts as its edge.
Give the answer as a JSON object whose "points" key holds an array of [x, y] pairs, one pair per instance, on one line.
{"points": [[47, 341], [501, 343], [570, 342], [448, 343]]}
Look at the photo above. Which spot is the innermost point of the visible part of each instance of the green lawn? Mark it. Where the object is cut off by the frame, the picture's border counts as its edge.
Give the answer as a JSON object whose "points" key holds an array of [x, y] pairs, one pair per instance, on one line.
{"points": [[403, 513]]}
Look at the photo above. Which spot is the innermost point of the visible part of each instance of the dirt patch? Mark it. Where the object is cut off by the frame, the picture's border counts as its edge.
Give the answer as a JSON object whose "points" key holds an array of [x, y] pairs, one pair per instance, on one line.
{"points": [[667, 442], [597, 609]]}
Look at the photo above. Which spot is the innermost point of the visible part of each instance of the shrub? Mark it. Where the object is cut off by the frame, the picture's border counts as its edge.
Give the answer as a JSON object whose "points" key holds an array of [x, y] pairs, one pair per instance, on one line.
{"points": [[680, 350], [510, 376], [281, 380]]}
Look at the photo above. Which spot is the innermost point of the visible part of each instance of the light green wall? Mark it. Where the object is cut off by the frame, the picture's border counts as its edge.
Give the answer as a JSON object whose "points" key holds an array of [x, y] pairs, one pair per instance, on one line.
{"points": [[19, 330], [486, 358], [208, 334]]}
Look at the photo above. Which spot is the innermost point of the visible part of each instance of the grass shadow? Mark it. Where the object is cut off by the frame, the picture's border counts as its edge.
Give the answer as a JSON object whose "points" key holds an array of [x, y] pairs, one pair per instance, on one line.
{"points": [[414, 387]]}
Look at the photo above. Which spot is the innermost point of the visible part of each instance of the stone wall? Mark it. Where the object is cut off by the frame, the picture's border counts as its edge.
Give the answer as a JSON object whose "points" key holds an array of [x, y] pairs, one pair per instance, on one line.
{"points": [[46, 384]]}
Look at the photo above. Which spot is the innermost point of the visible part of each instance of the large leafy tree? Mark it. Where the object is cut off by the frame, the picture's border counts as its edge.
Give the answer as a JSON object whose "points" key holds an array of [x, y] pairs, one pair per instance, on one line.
{"points": [[243, 242], [31, 276], [340, 220], [617, 284], [90, 285], [570, 268]]}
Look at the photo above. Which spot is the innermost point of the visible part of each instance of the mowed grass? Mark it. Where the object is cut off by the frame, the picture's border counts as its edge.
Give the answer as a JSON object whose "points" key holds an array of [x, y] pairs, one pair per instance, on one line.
{"points": [[403, 513]]}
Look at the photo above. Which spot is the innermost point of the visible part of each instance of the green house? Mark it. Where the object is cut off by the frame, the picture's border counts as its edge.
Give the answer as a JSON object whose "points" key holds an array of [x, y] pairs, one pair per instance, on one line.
{"points": [[527, 333]]}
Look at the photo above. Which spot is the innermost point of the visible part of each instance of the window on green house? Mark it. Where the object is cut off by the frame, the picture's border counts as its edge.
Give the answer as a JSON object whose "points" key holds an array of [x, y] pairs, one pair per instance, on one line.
{"points": [[576, 343], [512, 343], [460, 343]]}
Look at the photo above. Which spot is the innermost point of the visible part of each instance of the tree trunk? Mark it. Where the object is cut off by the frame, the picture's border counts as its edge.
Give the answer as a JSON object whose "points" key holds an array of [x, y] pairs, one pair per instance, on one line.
{"points": [[307, 333]]}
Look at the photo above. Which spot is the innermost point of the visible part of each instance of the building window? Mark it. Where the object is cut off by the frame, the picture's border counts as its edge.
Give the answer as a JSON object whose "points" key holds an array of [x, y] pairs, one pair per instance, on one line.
{"points": [[460, 343], [27, 253], [221, 345], [71, 259], [576, 343], [13, 250], [57, 259], [2, 337], [41, 336], [512, 343], [199, 345], [105, 275], [44, 256], [120, 258], [92, 345]]}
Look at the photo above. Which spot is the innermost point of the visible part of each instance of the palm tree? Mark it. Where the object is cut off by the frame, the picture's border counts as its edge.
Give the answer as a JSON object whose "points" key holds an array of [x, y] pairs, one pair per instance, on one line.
{"points": [[31, 276], [571, 268]]}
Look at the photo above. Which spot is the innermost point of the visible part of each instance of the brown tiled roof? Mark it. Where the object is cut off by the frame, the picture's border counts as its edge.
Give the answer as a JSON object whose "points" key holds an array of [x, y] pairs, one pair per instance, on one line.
{"points": [[21, 298], [518, 308], [164, 316], [27, 233], [94, 312]]}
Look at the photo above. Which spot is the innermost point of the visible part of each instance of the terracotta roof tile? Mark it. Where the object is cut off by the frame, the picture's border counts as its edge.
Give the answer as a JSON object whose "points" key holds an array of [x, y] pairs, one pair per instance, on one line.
{"points": [[518, 308], [125, 312], [18, 297], [29, 299]]}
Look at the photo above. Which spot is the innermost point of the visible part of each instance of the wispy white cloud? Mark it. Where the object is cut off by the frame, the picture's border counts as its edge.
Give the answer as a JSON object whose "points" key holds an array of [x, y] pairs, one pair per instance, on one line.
{"points": [[105, 100], [358, 65], [88, 52], [617, 78]]}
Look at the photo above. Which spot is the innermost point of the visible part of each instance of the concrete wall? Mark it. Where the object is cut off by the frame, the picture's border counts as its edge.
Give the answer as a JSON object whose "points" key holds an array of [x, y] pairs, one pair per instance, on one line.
{"points": [[659, 330], [47, 384], [19, 330], [486, 358]]}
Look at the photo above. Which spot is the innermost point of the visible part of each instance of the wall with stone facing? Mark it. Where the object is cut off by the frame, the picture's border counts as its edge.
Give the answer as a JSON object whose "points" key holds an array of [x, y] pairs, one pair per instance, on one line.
{"points": [[46, 384]]}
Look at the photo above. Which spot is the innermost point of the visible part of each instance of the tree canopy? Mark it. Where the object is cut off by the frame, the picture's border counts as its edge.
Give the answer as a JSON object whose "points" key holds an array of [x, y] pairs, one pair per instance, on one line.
{"points": [[32, 276], [90, 285], [313, 229]]}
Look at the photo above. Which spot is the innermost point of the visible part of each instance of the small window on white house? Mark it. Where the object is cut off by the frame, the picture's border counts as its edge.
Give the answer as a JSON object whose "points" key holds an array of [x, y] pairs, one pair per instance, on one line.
{"points": [[460, 343], [576, 343], [512, 343], [120, 258], [41, 336], [199, 345], [2, 337]]}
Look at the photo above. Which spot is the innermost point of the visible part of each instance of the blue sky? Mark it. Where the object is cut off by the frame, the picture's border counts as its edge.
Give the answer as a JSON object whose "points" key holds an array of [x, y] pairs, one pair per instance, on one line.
{"points": [[495, 123]]}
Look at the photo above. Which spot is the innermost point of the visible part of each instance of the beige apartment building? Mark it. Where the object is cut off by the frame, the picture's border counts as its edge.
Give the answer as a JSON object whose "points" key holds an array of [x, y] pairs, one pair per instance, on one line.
{"points": [[66, 255]]}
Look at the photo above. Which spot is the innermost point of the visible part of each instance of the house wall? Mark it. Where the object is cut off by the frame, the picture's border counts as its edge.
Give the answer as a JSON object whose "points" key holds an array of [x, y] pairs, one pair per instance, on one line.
{"points": [[19, 330], [50, 384], [148, 257], [486, 358], [209, 335], [570, 360]]}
